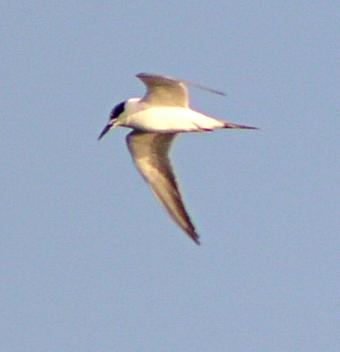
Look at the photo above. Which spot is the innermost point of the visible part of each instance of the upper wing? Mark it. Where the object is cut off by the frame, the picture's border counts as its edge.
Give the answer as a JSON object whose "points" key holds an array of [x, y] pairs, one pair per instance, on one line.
{"points": [[149, 152], [164, 90]]}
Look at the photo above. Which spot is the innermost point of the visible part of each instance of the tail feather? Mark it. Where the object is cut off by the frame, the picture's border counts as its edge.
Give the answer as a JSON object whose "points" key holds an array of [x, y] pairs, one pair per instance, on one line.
{"points": [[236, 126]]}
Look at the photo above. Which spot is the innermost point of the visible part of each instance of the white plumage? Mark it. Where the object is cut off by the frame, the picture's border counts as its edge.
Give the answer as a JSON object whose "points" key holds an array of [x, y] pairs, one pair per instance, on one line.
{"points": [[155, 119]]}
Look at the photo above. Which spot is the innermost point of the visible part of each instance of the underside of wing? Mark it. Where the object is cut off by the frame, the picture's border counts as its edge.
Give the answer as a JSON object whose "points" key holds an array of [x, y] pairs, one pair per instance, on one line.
{"points": [[164, 91], [149, 152]]}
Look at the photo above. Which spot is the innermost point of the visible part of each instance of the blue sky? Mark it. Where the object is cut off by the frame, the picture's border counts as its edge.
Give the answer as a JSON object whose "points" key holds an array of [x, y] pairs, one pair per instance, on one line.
{"points": [[89, 260]]}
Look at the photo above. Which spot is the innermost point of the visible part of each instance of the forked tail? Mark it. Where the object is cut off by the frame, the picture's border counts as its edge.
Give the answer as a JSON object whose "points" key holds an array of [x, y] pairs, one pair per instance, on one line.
{"points": [[234, 125]]}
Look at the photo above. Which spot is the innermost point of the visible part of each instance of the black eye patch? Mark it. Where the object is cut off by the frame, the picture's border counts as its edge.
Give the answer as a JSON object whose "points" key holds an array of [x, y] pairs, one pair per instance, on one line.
{"points": [[117, 110]]}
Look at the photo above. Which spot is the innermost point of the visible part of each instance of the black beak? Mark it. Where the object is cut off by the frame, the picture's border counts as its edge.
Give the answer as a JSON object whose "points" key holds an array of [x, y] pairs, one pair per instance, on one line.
{"points": [[105, 130]]}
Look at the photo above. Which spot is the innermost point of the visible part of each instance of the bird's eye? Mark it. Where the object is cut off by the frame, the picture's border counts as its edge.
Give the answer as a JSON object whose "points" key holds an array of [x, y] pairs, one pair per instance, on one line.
{"points": [[118, 109]]}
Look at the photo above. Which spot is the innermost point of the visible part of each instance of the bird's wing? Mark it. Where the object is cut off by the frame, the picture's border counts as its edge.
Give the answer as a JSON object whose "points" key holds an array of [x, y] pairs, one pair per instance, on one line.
{"points": [[149, 152], [164, 91]]}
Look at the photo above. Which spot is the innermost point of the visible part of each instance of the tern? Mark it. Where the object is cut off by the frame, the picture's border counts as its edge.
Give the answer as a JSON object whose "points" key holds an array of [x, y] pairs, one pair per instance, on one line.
{"points": [[156, 119]]}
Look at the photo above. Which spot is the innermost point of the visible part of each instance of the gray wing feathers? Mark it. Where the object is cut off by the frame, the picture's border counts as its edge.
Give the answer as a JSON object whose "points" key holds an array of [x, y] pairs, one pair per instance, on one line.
{"points": [[149, 152], [164, 91]]}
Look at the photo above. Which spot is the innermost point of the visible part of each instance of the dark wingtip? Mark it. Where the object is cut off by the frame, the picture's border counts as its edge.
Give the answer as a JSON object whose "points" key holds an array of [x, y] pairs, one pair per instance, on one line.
{"points": [[194, 236], [198, 242]]}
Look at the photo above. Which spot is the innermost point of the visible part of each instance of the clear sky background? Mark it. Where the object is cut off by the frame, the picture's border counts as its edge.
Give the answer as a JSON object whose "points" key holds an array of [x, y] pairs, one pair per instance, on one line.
{"points": [[89, 260]]}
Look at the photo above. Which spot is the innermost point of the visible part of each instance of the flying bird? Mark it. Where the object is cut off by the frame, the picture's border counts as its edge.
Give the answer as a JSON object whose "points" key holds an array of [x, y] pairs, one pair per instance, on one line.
{"points": [[156, 119]]}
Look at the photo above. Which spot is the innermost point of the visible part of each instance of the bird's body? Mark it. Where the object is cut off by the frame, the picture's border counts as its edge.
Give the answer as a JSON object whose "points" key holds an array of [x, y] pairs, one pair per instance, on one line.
{"points": [[164, 119], [156, 119]]}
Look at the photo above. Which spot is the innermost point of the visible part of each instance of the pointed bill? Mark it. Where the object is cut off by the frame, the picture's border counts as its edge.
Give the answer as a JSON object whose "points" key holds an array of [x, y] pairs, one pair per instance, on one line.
{"points": [[104, 131]]}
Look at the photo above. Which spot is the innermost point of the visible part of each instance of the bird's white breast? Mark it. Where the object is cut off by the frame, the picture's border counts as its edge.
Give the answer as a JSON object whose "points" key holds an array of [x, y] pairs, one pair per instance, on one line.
{"points": [[168, 119]]}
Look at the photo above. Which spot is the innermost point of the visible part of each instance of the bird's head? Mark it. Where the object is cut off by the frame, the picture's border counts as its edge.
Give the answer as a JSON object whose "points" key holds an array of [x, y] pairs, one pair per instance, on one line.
{"points": [[115, 114], [118, 114]]}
